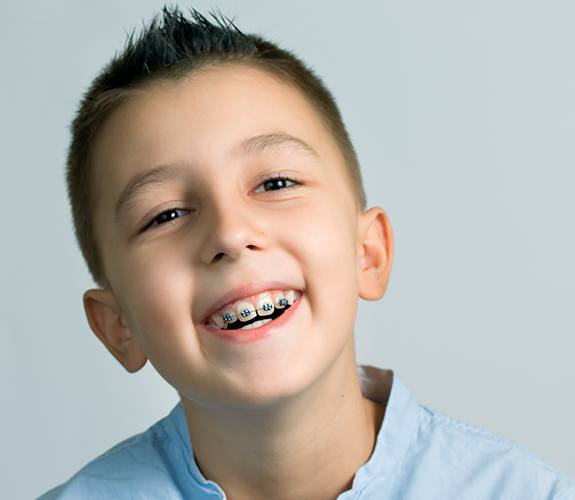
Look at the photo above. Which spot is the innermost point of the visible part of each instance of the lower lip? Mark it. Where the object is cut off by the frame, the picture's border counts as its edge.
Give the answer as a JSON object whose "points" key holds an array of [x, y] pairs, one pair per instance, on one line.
{"points": [[254, 334]]}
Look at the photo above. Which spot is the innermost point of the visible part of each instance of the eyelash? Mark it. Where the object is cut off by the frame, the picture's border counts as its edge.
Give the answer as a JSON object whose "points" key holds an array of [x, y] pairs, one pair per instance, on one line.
{"points": [[151, 224]]}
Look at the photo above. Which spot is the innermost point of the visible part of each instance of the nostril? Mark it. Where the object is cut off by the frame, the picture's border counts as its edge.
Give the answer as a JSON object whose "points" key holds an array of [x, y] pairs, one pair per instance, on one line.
{"points": [[219, 256]]}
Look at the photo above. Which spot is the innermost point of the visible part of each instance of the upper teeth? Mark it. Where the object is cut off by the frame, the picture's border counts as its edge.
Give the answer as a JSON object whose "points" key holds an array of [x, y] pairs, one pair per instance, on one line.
{"points": [[245, 309]]}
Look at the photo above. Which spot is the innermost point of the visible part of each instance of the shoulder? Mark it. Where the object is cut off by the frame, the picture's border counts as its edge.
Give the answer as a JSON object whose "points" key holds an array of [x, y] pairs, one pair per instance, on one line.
{"points": [[137, 464], [482, 461]]}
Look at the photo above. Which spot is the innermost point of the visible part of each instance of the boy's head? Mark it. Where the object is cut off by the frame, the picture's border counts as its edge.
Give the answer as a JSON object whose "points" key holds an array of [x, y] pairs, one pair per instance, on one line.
{"points": [[171, 49], [206, 162]]}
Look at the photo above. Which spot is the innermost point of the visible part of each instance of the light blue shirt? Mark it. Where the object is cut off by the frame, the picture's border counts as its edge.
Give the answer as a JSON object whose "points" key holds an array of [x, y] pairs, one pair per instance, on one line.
{"points": [[420, 454]]}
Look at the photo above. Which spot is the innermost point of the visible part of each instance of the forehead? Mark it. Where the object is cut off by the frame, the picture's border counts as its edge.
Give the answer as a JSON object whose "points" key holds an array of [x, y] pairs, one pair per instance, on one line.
{"points": [[200, 120]]}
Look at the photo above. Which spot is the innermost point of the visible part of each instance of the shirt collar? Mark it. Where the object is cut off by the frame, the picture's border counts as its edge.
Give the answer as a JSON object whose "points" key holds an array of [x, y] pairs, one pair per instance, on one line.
{"points": [[399, 423], [393, 438]]}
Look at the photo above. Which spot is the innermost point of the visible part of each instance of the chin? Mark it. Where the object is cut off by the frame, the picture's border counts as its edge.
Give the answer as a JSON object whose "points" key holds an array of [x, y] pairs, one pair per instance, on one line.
{"points": [[265, 390]]}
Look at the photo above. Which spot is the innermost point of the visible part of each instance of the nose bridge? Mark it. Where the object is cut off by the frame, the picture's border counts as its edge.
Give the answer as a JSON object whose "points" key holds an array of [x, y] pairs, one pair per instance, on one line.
{"points": [[230, 227]]}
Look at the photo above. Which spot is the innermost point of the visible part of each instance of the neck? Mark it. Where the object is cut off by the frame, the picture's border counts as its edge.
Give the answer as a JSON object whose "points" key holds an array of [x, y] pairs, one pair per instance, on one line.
{"points": [[309, 446]]}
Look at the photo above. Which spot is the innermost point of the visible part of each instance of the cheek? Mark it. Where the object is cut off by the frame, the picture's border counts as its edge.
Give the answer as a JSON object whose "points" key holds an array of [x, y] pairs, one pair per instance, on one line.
{"points": [[328, 241], [159, 300]]}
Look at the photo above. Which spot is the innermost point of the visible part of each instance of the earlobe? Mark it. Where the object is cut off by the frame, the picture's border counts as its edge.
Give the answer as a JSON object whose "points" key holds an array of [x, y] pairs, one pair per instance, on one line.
{"points": [[108, 324], [375, 253]]}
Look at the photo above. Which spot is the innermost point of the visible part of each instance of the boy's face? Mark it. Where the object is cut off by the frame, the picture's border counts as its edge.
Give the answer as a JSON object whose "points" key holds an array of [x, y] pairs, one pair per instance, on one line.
{"points": [[230, 229]]}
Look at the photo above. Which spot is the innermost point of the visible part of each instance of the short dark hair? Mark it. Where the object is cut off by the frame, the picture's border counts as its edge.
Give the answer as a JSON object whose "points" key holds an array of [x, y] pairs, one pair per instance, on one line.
{"points": [[170, 47]]}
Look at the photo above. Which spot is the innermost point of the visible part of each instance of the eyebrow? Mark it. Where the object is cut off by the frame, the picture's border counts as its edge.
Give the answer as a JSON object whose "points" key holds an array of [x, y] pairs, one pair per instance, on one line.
{"points": [[251, 146], [259, 143]]}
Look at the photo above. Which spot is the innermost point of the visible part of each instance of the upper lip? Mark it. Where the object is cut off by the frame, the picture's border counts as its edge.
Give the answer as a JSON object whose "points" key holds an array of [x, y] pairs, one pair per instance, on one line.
{"points": [[246, 290]]}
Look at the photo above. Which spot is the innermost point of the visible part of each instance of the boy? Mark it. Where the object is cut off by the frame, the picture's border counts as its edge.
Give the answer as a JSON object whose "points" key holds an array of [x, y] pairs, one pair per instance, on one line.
{"points": [[218, 202]]}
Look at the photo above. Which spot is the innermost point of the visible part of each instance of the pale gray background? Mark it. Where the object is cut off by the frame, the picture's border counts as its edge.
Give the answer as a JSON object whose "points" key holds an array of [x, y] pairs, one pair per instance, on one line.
{"points": [[463, 116]]}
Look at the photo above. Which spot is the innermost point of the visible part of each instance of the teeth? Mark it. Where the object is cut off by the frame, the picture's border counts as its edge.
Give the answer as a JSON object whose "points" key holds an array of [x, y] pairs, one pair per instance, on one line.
{"points": [[265, 304], [245, 311], [219, 321], [279, 299], [229, 315]]}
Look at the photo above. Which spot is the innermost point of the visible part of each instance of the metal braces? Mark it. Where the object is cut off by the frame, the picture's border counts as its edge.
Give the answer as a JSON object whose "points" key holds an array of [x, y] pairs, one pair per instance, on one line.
{"points": [[229, 318]]}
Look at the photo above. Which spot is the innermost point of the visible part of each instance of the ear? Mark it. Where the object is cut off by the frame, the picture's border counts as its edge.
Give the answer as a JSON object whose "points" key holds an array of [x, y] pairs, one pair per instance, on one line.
{"points": [[107, 322], [375, 252]]}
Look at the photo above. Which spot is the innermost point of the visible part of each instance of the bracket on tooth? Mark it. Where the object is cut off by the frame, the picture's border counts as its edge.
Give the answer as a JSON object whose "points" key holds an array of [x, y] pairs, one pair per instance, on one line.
{"points": [[230, 318]]}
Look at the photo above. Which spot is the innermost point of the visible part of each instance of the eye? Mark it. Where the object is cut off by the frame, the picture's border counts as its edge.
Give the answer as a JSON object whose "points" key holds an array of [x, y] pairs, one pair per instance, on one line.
{"points": [[279, 183], [165, 216]]}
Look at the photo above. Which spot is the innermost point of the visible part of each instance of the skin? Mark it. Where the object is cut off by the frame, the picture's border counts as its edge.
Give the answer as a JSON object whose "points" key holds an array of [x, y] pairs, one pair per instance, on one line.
{"points": [[281, 418]]}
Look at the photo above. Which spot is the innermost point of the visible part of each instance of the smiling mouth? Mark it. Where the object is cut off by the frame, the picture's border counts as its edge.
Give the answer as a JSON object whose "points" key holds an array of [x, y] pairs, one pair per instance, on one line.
{"points": [[255, 328], [252, 312], [260, 320]]}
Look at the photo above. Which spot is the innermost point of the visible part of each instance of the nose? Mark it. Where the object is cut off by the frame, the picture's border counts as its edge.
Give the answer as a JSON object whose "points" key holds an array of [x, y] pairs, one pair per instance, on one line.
{"points": [[231, 229]]}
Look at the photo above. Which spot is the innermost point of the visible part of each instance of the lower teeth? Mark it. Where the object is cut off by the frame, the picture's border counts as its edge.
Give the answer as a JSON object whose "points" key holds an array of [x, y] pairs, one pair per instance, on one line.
{"points": [[255, 325]]}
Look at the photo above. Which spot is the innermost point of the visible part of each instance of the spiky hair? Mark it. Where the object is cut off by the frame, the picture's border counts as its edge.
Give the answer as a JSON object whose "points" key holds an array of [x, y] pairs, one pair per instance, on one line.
{"points": [[173, 40], [170, 47]]}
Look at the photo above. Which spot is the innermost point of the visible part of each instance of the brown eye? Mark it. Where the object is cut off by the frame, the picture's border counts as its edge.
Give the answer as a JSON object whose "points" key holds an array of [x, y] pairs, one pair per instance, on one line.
{"points": [[165, 216], [278, 183]]}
